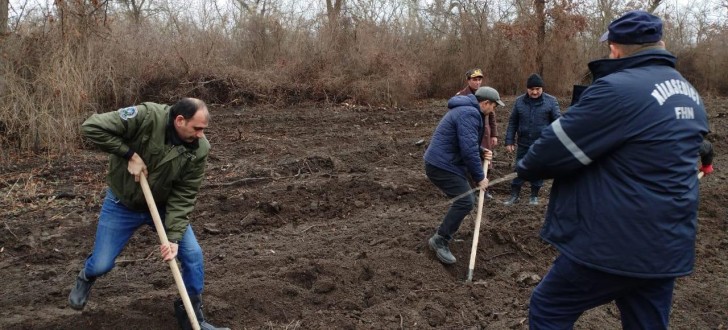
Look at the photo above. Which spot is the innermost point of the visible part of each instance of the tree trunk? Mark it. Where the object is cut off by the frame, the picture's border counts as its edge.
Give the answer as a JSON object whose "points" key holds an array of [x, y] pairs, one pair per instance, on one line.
{"points": [[541, 21], [4, 30], [4, 7], [333, 10]]}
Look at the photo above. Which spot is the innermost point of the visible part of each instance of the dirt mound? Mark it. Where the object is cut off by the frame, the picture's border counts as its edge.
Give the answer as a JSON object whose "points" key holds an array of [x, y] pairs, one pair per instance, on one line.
{"points": [[313, 217]]}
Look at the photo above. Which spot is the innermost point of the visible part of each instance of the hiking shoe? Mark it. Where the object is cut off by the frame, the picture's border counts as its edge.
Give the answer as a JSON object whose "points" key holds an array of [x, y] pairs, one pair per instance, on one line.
{"points": [[511, 201], [533, 201], [440, 245], [79, 294]]}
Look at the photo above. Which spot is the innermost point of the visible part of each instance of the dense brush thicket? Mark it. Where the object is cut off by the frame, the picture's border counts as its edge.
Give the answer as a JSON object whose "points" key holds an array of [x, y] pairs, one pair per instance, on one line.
{"points": [[58, 65]]}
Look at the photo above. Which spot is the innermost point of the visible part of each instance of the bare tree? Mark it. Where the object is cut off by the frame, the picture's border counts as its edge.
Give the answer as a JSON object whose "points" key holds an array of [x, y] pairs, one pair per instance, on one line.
{"points": [[3, 31], [253, 7], [135, 8], [541, 35], [333, 10], [653, 5], [380, 11], [4, 7]]}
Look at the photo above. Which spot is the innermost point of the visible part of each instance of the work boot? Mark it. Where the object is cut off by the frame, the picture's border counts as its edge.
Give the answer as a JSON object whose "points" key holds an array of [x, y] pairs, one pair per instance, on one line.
{"points": [[79, 294], [184, 321], [515, 192], [439, 245], [534, 195]]}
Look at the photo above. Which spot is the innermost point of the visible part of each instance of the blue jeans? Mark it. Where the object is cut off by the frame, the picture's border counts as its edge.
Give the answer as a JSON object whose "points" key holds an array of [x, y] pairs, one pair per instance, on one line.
{"points": [[452, 185], [569, 289], [116, 225], [516, 184]]}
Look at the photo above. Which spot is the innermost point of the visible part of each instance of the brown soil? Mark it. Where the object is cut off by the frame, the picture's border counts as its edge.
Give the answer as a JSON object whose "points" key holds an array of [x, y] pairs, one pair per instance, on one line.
{"points": [[313, 217]]}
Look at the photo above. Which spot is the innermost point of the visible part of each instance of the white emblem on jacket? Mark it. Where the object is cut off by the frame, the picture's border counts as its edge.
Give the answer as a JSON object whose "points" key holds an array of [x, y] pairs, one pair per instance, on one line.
{"points": [[127, 113]]}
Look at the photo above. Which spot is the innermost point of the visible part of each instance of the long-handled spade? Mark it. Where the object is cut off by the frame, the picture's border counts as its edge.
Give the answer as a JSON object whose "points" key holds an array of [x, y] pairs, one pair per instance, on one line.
{"points": [[172, 263], [476, 231]]}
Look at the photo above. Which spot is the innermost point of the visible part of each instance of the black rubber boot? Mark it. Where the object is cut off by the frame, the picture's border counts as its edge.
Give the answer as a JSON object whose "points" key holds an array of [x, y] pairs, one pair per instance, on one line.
{"points": [[79, 294], [515, 192], [184, 322], [440, 245]]}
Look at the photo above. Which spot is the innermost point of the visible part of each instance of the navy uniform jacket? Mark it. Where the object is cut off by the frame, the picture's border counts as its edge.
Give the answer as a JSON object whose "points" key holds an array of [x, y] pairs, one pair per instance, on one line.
{"points": [[624, 156], [455, 145], [529, 116]]}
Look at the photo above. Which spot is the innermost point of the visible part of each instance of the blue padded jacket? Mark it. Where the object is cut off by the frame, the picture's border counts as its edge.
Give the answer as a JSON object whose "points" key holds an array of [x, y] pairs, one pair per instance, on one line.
{"points": [[455, 145]]}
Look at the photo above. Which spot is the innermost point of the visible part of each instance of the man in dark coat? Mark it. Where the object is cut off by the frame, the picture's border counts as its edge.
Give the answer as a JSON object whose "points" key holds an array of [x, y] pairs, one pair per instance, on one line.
{"points": [[531, 113], [454, 154], [623, 208]]}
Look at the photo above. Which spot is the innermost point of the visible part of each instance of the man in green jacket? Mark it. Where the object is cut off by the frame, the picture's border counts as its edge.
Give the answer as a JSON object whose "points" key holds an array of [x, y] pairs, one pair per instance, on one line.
{"points": [[168, 145]]}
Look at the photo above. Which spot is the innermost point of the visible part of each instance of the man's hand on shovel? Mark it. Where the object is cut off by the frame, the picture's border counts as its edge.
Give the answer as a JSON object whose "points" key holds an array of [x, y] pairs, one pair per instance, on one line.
{"points": [[487, 155], [136, 167], [169, 251], [482, 185]]}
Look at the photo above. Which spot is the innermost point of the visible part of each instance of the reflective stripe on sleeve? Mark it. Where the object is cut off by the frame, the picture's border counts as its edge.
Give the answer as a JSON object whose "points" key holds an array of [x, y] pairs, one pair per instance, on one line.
{"points": [[569, 144]]}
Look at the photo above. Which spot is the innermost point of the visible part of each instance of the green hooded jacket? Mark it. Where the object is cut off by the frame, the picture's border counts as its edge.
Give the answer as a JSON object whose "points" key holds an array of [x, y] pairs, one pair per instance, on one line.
{"points": [[175, 172]]}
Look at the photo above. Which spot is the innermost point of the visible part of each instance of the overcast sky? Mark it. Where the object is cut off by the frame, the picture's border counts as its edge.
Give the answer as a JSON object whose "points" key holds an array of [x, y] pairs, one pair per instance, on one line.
{"points": [[192, 6]]}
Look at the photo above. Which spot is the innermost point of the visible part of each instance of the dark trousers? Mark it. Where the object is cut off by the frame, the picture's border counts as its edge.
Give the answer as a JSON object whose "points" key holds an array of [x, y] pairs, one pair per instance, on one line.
{"points": [[452, 185], [569, 289], [516, 184]]}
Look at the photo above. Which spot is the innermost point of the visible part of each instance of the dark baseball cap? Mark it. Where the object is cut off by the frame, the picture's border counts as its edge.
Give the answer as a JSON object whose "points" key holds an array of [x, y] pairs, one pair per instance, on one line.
{"points": [[488, 94], [474, 73], [634, 27]]}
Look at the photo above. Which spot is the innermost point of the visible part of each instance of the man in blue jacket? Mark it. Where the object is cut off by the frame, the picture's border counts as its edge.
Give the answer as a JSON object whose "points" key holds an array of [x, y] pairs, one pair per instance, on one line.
{"points": [[474, 78], [453, 155], [623, 207], [531, 113]]}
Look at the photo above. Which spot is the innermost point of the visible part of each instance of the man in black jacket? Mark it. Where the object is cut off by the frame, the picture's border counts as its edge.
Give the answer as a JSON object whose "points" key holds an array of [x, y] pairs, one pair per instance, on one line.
{"points": [[531, 113]]}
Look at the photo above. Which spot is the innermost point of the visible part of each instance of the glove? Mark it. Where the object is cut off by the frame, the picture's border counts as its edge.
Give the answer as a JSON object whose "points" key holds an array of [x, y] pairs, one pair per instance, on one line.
{"points": [[706, 169]]}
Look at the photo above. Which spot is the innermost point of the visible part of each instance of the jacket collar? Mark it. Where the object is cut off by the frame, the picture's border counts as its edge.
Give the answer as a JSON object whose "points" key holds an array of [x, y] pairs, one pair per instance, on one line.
{"points": [[649, 56], [529, 100]]}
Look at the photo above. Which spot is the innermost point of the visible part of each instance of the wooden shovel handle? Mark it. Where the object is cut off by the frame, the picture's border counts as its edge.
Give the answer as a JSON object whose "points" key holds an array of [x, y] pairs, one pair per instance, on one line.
{"points": [[476, 230], [172, 263]]}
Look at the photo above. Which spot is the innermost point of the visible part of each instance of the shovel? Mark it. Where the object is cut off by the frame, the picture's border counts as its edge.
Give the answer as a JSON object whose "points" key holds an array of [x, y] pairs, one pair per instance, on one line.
{"points": [[490, 184], [172, 263], [476, 231]]}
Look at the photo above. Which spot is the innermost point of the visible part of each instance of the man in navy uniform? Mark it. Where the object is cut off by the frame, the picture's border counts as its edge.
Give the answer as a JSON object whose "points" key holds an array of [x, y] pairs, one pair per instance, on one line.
{"points": [[623, 207]]}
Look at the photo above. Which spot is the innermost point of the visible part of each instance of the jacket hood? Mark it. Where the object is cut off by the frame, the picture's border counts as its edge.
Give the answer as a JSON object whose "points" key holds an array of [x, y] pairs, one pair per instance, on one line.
{"points": [[463, 100], [601, 68]]}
